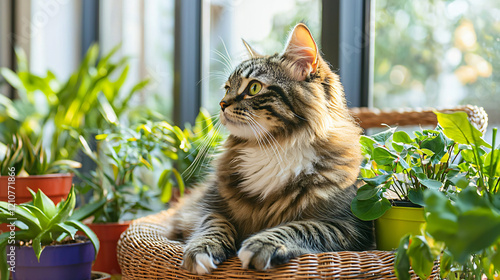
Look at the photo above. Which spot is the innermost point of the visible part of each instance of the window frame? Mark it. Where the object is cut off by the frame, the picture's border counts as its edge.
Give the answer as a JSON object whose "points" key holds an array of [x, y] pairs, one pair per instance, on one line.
{"points": [[346, 42]]}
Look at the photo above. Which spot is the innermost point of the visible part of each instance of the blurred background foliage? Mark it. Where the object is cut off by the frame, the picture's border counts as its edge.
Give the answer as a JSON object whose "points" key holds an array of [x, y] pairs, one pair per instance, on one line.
{"points": [[437, 53]]}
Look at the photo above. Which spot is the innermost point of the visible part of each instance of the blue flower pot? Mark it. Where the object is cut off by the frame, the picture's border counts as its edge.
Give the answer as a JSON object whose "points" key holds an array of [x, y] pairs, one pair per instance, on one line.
{"points": [[61, 262]]}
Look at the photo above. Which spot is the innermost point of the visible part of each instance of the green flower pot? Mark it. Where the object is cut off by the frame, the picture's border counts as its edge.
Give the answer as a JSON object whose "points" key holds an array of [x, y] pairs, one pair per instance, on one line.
{"points": [[396, 223]]}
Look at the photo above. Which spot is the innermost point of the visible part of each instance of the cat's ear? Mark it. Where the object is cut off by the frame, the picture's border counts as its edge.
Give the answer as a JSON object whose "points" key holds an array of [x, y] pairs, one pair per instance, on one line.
{"points": [[251, 51], [302, 51]]}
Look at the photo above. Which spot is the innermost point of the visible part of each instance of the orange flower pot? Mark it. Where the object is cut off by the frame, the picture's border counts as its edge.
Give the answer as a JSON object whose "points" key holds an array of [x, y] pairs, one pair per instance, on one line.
{"points": [[14, 189], [108, 235], [55, 186]]}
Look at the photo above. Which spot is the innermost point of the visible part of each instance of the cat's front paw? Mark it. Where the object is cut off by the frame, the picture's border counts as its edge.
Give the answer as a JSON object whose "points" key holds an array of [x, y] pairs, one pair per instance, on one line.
{"points": [[202, 258], [262, 254]]}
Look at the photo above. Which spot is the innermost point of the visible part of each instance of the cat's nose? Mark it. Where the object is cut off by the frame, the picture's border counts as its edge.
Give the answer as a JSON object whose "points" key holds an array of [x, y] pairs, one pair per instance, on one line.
{"points": [[223, 105]]}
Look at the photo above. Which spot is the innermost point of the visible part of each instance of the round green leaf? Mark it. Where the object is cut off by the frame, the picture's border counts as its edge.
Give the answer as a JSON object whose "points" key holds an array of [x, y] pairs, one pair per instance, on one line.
{"points": [[370, 209], [383, 156], [367, 192]]}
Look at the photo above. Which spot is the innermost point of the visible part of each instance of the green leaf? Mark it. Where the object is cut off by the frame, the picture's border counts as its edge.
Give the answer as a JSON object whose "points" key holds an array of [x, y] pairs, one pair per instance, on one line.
{"points": [[66, 209], [367, 145], [402, 137], [87, 210], [402, 162], [377, 180], [479, 228], [492, 163], [416, 196], [70, 230], [166, 192], [45, 204], [383, 136], [436, 144], [469, 199], [446, 262], [441, 216], [106, 109], [42, 218], [87, 231], [87, 150], [431, 183], [421, 257], [180, 182], [457, 127], [367, 191], [37, 245], [165, 185], [383, 156], [370, 209], [402, 260], [4, 266], [12, 78], [23, 215], [367, 173]]}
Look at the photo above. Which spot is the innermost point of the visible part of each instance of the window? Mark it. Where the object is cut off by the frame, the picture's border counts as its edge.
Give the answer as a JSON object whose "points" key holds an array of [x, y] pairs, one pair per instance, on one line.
{"points": [[437, 53], [145, 31], [263, 24], [5, 48], [426, 53]]}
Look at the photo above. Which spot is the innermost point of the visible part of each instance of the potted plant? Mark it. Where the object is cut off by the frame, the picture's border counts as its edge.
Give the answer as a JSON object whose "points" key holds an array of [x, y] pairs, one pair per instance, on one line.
{"points": [[138, 170], [49, 115], [59, 111], [396, 170], [46, 246], [26, 165], [462, 232]]}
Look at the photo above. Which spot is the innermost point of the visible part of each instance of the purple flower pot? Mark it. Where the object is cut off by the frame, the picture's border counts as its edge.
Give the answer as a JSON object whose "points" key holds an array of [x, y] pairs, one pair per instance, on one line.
{"points": [[62, 262]]}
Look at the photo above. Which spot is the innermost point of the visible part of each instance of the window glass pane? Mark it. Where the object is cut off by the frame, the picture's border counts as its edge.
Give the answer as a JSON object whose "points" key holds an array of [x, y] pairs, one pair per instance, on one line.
{"points": [[437, 53], [51, 37], [145, 30], [263, 24]]}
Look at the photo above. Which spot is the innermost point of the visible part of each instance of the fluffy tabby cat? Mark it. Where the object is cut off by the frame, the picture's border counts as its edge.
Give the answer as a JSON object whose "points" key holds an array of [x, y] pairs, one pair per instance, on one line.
{"points": [[284, 183]]}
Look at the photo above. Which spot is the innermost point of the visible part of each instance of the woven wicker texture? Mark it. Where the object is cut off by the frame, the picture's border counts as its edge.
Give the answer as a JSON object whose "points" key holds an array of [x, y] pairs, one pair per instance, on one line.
{"points": [[145, 253], [369, 118]]}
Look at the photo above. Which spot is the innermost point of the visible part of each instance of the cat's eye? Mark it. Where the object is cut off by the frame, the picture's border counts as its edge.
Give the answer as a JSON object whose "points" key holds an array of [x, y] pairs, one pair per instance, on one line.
{"points": [[254, 88]]}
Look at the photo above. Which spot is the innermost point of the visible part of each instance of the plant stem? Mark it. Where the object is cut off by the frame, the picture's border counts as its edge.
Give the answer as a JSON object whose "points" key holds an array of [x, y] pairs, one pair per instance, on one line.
{"points": [[402, 196]]}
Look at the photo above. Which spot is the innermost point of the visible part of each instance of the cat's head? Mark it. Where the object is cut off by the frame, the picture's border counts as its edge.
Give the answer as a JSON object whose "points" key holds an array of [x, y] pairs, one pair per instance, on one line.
{"points": [[285, 93]]}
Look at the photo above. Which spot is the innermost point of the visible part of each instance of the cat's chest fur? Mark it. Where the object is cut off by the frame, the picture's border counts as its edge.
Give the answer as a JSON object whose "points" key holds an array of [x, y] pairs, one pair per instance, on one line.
{"points": [[265, 171]]}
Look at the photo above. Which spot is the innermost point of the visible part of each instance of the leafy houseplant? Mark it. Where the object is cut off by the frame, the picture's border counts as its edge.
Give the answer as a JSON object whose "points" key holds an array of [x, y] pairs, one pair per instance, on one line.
{"points": [[120, 154], [461, 231], [127, 160], [44, 230], [59, 111], [397, 169], [27, 164]]}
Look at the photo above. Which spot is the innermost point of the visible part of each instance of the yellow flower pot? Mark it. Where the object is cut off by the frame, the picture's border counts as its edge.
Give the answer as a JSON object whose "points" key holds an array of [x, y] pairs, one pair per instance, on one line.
{"points": [[396, 223]]}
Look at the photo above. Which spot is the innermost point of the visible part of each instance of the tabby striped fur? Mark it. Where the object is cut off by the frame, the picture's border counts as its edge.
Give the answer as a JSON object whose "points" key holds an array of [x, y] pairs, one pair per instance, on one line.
{"points": [[284, 183]]}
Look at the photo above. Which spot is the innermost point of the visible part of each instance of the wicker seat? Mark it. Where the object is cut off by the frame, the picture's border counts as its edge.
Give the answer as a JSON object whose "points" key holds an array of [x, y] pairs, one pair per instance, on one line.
{"points": [[145, 253]]}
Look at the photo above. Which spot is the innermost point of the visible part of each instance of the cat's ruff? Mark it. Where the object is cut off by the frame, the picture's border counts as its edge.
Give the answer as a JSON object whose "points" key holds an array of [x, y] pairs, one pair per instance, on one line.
{"points": [[266, 170]]}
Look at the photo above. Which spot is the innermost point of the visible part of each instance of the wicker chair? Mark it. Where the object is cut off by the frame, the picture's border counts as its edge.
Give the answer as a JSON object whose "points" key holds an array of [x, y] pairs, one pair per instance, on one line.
{"points": [[145, 253]]}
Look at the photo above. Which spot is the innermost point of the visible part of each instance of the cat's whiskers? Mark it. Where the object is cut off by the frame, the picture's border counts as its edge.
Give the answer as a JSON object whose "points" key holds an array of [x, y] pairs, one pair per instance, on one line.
{"points": [[227, 60], [227, 52], [269, 138], [204, 150], [260, 136], [268, 134], [257, 136]]}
